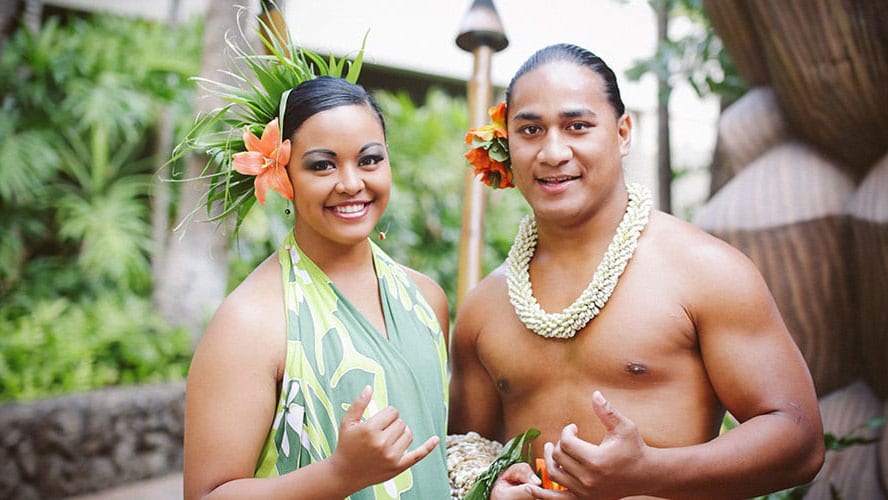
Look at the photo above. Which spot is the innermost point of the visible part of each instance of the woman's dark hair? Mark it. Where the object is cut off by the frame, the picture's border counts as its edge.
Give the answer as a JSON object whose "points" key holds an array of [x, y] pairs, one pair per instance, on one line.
{"points": [[320, 94], [577, 55]]}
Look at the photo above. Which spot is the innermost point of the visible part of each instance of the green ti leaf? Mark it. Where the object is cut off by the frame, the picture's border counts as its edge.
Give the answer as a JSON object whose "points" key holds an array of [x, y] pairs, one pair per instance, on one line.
{"points": [[513, 453]]}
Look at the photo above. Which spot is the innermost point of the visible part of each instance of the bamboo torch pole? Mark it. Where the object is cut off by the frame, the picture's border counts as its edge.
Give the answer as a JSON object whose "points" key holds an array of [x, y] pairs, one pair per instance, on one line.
{"points": [[482, 34]]}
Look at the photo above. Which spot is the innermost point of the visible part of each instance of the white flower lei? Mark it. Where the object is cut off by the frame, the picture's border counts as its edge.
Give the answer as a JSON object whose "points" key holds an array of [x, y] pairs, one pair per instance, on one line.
{"points": [[567, 323]]}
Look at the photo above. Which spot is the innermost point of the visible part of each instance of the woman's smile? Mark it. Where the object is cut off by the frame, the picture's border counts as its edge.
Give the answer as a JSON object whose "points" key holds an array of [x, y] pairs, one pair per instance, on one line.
{"points": [[351, 210]]}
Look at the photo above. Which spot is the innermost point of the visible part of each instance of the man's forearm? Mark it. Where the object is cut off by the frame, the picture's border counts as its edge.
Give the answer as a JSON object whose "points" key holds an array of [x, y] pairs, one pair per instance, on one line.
{"points": [[765, 454]]}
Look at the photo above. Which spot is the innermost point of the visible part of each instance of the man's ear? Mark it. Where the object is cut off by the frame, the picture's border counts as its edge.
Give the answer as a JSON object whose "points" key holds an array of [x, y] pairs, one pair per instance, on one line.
{"points": [[624, 133]]}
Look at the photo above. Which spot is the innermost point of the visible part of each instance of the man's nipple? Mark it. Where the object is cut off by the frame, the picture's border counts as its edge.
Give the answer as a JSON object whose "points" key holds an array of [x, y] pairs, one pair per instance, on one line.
{"points": [[503, 386], [634, 368]]}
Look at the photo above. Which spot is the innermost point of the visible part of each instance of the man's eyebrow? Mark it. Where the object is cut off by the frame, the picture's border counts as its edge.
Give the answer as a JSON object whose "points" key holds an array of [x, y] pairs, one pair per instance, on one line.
{"points": [[526, 115], [576, 113], [571, 113]]}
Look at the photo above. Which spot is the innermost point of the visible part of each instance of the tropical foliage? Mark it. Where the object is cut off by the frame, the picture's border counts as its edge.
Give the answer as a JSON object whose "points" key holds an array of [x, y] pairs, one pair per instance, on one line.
{"points": [[423, 220], [80, 106], [60, 345], [695, 55]]}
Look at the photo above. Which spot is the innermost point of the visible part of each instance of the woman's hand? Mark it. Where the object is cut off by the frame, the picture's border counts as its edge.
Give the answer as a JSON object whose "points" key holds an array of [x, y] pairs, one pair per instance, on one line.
{"points": [[374, 450]]}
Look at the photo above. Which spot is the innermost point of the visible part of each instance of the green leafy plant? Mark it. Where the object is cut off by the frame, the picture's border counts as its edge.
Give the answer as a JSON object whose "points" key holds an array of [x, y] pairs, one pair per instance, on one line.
{"points": [[697, 56], [86, 344], [428, 171]]}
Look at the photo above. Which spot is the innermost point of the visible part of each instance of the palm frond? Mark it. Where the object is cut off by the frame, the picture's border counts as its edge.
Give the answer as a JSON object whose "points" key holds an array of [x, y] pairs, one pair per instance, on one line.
{"points": [[28, 160], [112, 230]]}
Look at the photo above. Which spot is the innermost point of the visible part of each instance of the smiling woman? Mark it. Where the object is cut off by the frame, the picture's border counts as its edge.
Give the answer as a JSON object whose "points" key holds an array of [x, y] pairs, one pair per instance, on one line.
{"points": [[342, 183], [334, 353]]}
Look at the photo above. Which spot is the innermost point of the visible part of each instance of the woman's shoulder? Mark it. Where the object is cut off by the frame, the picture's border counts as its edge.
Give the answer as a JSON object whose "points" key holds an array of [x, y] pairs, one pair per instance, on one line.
{"points": [[261, 290], [247, 333], [254, 310], [433, 294], [426, 284]]}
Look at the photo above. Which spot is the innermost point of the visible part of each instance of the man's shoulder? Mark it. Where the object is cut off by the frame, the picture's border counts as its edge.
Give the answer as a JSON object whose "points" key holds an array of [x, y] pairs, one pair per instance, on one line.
{"points": [[681, 239], [489, 294], [491, 285], [707, 263]]}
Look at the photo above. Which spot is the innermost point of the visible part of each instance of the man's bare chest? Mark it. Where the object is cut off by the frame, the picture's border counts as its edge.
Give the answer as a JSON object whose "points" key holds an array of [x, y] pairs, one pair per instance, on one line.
{"points": [[623, 346]]}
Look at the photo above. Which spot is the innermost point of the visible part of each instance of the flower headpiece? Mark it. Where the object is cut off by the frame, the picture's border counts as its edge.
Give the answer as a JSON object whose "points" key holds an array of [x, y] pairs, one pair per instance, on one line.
{"points": [[489, 155], [242, 167]]}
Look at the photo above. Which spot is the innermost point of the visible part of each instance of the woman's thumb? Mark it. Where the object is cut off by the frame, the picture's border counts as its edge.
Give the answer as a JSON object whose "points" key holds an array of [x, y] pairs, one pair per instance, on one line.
{"points": [[354, 412]]}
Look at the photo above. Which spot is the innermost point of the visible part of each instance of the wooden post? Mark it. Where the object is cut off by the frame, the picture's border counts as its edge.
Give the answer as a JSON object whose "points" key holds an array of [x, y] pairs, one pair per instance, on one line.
{"points": [[481, 34], [272, 21]]}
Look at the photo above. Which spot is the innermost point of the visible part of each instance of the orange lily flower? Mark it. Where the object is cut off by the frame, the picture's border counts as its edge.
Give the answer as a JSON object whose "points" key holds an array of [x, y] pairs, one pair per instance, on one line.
{"points": [[267, 159]]}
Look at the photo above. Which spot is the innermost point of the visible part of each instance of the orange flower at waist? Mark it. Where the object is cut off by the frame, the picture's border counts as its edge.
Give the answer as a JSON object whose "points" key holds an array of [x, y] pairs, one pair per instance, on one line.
{"points": [[544, 475], [267, 159]]}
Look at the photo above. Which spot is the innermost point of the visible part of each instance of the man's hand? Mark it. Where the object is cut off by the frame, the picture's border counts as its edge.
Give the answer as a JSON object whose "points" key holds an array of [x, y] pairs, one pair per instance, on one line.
{"points": [[607, 470], [519, 482]]}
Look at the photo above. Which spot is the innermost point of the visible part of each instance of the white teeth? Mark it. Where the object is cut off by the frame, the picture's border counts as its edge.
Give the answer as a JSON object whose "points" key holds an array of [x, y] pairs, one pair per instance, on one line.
{"points": [[350, 209]]}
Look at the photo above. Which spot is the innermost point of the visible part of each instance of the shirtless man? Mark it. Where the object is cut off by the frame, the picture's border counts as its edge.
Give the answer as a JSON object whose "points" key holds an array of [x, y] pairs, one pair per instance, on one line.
{"points": [[629, 402]]}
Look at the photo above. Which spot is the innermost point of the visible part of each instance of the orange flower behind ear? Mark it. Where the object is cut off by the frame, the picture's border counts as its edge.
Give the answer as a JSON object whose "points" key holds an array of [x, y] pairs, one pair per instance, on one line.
{"points": [[479, 159], [498, 118], [492, 172], [267, 159], [499, 175], [490, 155]]}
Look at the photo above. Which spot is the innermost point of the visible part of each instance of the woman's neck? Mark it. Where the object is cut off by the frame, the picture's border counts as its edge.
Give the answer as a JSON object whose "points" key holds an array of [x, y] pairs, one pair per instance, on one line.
{"points": [[334, 258]]}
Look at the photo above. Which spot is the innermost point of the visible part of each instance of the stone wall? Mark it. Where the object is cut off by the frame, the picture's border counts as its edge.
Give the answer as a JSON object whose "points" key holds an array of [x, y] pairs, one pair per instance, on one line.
{"points": [[54, 448]]}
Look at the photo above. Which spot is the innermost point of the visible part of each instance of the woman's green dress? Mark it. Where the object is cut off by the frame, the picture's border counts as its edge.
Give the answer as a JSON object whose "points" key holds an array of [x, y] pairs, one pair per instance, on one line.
{"points": [[333, 352]]}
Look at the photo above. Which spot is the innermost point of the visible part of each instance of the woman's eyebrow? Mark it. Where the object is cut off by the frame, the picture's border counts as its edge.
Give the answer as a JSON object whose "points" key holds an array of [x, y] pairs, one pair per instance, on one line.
{"points": [[319, 150], [370, 145]]}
